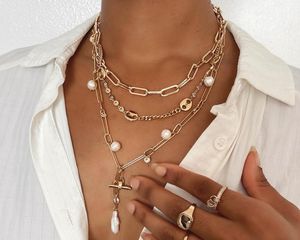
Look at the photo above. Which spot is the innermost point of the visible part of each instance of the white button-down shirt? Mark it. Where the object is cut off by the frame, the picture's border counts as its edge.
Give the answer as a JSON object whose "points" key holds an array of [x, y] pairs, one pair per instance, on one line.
{"points": [[40, 193]]}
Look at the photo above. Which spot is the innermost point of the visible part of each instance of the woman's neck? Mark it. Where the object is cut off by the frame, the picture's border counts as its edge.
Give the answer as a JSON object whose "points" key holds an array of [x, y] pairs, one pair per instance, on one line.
{"points": [[144, 31]]}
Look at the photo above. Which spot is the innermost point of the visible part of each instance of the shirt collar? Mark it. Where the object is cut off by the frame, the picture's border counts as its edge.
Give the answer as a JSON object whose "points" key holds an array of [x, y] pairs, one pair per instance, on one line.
{"points": [[258, 66], [263, 70], [63, 46]]}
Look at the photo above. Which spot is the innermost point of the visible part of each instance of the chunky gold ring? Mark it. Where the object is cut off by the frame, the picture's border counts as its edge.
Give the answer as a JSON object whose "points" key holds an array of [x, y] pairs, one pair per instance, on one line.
{"points": [[214, 200], [185, 218]]}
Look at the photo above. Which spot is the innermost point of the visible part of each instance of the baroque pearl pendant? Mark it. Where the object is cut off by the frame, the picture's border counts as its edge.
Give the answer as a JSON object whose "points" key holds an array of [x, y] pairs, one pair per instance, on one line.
{"points": [[209, 81], [92, 85], [166, 134], [115, 146], [115, 222]]}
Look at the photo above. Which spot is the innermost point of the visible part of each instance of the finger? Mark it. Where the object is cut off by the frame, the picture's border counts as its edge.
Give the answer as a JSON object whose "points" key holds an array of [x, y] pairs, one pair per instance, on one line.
{"points": [[257, 186], [149, 236], [232, 204], [160, 228], [171, 205]]}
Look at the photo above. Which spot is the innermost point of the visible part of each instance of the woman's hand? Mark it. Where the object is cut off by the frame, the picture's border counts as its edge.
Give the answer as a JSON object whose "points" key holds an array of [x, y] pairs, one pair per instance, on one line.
{"points": [[264, 214]]}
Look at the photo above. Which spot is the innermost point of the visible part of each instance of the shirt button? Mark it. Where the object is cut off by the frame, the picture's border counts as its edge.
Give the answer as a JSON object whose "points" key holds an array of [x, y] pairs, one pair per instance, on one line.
{"points": [[220, 143]]}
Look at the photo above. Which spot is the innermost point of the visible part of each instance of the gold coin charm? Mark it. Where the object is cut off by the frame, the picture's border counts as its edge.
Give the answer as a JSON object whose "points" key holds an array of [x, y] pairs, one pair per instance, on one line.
{"points": [[186, 104]]}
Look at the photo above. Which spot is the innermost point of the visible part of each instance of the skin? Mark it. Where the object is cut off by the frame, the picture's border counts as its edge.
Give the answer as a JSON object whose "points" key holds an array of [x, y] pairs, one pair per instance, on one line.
{"points": [[149, 48], [264, 214]]}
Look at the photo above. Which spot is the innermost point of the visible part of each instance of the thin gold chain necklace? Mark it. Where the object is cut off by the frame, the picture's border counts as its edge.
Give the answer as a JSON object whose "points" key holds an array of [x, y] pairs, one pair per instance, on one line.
{"points": [[119, 182]]}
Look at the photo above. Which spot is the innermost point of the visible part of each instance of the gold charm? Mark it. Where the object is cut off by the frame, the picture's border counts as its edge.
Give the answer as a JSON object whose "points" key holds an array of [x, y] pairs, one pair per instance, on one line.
{"points": [[131, 115], [120, 185], [186, 104]]}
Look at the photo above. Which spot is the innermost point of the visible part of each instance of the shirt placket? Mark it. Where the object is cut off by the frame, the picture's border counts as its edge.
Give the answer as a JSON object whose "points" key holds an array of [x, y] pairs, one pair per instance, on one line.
{"points": [[54, 172]]}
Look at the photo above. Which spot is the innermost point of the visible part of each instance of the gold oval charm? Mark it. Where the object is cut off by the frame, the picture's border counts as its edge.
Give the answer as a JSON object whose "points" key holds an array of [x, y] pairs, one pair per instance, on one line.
{"points": [[186, 104], [131, 115]]}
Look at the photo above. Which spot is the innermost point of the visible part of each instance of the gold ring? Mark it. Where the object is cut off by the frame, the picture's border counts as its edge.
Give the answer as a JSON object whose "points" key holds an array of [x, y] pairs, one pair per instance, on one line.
{"points": [[186, 237], [214, 200], [185, 218]]}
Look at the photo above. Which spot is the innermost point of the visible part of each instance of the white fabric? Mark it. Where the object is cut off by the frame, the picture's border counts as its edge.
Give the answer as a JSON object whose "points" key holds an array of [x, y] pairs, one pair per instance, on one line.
{"points": [[40, 194]]}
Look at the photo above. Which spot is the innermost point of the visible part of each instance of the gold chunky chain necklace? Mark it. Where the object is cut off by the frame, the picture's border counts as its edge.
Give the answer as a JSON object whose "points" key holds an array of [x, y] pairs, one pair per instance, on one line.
{"points": [[101, 74]]}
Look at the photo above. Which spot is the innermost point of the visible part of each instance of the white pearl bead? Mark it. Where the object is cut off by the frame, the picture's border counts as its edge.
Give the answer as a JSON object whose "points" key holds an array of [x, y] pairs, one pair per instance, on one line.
{"points": [[91, 85], [209, 81], [166, 134], [115, 146], [147, 159]]}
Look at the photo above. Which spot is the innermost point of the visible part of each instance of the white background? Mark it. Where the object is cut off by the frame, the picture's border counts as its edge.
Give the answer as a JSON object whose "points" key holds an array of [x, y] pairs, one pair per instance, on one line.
{"points": [[275, 23]]}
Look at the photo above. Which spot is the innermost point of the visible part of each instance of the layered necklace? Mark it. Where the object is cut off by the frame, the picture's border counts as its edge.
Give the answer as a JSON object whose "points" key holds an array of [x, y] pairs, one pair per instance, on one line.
{"points": [[105, 80]]}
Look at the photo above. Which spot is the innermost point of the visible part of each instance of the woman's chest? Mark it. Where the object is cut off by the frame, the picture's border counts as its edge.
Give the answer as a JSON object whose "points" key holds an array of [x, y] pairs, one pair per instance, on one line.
{"points": [[97, 167]]}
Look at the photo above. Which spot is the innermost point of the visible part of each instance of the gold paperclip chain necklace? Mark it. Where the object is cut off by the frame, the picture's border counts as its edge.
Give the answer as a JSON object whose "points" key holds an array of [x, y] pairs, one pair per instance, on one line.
{"points": [[167, 91], [185, 104], [119, 182]]}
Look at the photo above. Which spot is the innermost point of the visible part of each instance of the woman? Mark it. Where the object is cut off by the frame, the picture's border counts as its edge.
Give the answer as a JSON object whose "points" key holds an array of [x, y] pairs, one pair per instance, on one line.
{"points": [[171, 83]]}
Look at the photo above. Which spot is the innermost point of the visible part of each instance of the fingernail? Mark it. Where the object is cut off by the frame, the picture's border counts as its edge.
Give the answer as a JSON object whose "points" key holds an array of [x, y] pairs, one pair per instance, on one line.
{"points": [[134, 183], [146, 236], [254, 150], [160, 170], [131, 208]]}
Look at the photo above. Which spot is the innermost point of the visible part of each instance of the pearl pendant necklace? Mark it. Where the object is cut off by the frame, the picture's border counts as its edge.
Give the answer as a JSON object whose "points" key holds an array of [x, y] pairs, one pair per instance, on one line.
{"points": [[99, 77], [114, 146], [117, 186]]}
